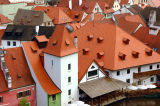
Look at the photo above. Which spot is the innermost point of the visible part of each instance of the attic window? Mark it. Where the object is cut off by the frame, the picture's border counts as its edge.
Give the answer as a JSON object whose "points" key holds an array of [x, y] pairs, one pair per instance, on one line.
{"points": [[135, 54], [13, 57], [67, 42], [33, 49], [90, 37], [85, 51], [100, 39], [122, 56], [126, 41], [76, 16], [100, 54], [54, 43], [19, 76], [148, 52]]}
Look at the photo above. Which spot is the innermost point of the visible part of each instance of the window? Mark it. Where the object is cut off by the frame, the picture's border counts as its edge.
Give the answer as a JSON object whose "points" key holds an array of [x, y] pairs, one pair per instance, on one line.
{"points": [[1, 99], [14, 43], [52, 63], [8, 43], [139, 69], [128, 80], [69, 79], [69, 92], [28, 93], [128, 71], [69, 102], [92, 73], [152, 79], [139, 83], [69, 66], [53, 97], [150, 67], [118, 73], [20, 94], [157, 65]]}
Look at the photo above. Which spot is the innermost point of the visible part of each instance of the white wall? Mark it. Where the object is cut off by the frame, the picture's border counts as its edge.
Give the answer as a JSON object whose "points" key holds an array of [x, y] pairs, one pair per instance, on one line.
{"points": [[100, 73], [146, 81], [123, 73], [116, 5], [41, 95], [4, 43], [59, 74]]}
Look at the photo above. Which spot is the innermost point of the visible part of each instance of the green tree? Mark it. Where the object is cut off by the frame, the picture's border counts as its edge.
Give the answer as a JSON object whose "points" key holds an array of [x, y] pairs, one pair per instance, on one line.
{"points": [[24, 102]]}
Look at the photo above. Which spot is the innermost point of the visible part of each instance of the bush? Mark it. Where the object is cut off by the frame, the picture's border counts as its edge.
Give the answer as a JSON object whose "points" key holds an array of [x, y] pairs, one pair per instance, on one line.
{"points": [[24, 102]]}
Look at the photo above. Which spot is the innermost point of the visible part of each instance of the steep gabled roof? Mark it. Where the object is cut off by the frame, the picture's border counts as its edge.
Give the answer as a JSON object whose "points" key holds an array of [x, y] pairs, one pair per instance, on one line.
{"points": [[33, 52], [57, 14], [3, 84], [108, 39], [18, 68], [60, 43], [4, 20]]}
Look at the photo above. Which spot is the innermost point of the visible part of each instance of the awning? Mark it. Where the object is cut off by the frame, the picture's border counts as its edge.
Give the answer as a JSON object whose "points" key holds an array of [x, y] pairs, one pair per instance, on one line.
{"points": [[101, 86]]}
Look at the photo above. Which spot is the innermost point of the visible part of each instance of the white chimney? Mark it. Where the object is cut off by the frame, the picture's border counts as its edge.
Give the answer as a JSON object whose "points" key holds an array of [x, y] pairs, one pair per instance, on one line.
{"points": [[70, 4], [37, 29], [80, 2], [76, 41]]}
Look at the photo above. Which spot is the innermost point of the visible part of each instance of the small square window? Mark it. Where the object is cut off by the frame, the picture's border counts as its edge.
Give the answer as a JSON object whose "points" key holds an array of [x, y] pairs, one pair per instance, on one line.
{"points": [[118, 73], [28, 93], [1, 99], [128, 80], [128, 71], [69, 92], [8, 43], [69, 79], [157, 65], [150, 67], [69, 102], [152, 79], [53, 97], [14, 43], [69, 66], [20, 94], [139, 83]]}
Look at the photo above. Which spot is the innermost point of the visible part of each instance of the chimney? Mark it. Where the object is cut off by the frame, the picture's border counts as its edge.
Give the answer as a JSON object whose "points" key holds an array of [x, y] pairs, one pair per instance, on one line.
{"points": [[76, 41], [92, 17], [152, 17], [37, 29], [70, 4], [9, 82], [80, 2]]}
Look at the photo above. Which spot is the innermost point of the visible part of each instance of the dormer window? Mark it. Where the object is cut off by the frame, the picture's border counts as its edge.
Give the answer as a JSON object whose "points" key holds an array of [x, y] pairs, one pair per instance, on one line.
{"points": [[54, 43], [135, 54], [122, 56], [100, 55], [33, 49], [67, 42], [148, 52], [126, 41], [90, 37], [100, 39], [92, 73], [85, 51], [76, 16]]}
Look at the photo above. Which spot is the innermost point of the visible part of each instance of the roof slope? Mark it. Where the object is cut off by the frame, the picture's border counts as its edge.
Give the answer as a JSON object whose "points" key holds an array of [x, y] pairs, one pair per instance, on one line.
{"points": [[111, 45], [60, 43], [4, 20], [35, 61], [57, 15], [4, 2], [18, 68], [3, 84]]}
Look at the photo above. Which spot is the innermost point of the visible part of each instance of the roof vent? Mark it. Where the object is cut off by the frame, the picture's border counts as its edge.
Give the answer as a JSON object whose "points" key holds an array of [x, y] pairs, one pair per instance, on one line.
{"points": [[54, 43], [126, 41], [13, 57], [19, 76], [86, 50], [148, 52], [100, 54], [135, 54], [90, 37], [100, 39], [122, 56], [67, 42], [33, 49]]}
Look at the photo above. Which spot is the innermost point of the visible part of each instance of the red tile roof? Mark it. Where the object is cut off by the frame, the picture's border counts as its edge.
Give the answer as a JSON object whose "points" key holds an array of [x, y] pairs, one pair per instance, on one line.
{"points": [[60, 43], [18, 67], [4, 2], [57, 14], [3, 84], [4, 20], [37, 66], [1, 34], [42, 38], [112, 45]]}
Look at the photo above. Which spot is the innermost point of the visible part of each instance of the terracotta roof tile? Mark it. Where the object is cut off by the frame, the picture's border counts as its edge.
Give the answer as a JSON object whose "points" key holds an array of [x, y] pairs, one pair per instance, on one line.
{"points": [[4, 2], [4, 20], [37, 66], [42, 38], [1, 34], [18, 66], [112, 45], [3, 84], [57, 14], [57, 44]]}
